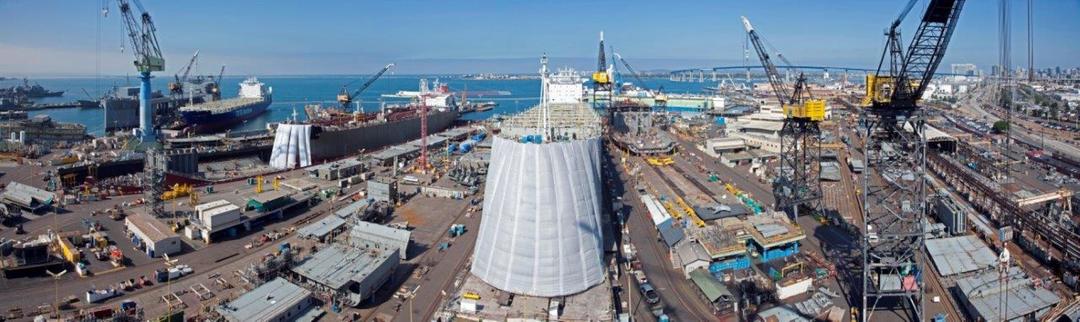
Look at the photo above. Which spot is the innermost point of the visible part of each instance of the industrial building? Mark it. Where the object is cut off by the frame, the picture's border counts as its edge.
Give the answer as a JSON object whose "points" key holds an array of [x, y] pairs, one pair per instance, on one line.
{"points": [[950, 214], [544, 185], [351, 275], [690, 256], [338, 169], [28, 197], [980, 296], [215, 218], [151, 235], [276, 300], [958, 255], [712, 289], [383, 189], [323, 230], [366, 235]]}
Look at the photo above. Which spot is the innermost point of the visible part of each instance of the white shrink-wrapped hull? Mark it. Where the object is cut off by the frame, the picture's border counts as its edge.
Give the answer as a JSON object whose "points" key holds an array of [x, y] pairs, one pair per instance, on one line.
{"points": [[540, 233]]}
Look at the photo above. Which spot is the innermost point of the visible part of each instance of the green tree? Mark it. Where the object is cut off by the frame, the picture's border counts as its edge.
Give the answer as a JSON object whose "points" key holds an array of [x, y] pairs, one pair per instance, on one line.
{"points": [[1001, 126]]}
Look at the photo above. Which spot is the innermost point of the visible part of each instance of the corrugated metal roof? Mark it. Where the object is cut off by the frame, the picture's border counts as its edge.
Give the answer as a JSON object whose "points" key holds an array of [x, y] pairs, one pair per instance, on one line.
{"points": [[265, 302], [960, 255], [379, 233], [322, 227], [1023, 298], [689, 252], [269, 196], [352, 208], [337, 266], [671, 233], [712, 288]]}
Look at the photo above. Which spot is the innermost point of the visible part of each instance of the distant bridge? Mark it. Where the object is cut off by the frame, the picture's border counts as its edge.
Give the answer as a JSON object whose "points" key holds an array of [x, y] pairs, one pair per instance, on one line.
{"points": [[714, 72]]}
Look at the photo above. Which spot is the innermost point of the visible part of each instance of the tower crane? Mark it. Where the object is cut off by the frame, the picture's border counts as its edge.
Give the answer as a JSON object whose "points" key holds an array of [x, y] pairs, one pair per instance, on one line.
{"points": [[894, 191], [143, 36], [345, 98], [601, 78], [177, 86], [798, 185], [659, 99]]}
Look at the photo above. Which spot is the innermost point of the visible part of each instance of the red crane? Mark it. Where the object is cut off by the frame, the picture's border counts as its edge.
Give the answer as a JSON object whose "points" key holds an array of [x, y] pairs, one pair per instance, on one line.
{"points": [[423, 162]]}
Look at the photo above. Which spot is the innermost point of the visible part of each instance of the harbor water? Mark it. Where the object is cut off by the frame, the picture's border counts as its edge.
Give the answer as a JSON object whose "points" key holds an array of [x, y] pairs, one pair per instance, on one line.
{"points": [[293, 92]]}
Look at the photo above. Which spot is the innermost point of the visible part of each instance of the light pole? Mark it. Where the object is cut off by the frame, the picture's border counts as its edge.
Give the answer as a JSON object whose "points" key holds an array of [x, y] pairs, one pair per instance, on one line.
{"points": [[56, 289], [169, 263]]}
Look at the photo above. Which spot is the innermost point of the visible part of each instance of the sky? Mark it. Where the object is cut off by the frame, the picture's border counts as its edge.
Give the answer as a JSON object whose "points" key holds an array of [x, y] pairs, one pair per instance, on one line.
{"points": [[71, 37]]}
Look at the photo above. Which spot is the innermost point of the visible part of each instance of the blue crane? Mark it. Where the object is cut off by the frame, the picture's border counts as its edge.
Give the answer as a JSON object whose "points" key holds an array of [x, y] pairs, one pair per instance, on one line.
{"points": [[142, 34]]}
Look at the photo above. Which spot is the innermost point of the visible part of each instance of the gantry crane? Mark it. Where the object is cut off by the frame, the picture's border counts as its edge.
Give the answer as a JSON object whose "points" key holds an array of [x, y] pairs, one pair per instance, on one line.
{"points": [[659, 99], [797, 186], [345, 98], [895, 147], [143, 36], [602, 83]]}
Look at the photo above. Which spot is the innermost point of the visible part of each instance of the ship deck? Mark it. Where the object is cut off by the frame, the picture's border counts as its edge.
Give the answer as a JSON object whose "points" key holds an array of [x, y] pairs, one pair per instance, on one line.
{"points": [[221, 106]]}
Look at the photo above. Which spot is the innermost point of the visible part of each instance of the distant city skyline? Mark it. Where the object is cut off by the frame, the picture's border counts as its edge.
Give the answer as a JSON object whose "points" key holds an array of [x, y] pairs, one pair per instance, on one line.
{"points": [[425, 37]]}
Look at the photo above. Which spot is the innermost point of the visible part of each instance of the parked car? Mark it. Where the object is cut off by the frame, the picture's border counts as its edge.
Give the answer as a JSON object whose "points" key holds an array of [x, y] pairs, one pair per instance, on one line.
{"points": [[649, 293]]}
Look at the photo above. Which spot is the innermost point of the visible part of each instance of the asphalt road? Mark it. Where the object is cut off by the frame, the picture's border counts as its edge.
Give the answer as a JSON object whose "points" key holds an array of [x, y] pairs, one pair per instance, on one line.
{"points": [[680, 298]]}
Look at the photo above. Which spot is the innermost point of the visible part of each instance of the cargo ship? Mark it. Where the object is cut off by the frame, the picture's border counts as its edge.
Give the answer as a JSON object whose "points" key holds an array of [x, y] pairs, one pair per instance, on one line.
{"points": [[337, 134], [253, 100]]}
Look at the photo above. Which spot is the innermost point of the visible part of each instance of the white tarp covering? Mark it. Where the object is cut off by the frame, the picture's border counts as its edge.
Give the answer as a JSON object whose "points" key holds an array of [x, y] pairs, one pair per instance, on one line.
{"points": [[291, 146], [540, 231]]}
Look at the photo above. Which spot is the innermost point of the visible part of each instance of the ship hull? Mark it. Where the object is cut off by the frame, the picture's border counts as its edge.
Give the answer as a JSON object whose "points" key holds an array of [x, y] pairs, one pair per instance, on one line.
{"points": [[206, 121], [335, 143]]}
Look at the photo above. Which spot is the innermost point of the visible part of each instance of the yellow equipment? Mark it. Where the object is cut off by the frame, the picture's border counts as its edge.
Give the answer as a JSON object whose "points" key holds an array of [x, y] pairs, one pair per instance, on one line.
{"points": [[471, 296], [178, 190], [672, 210], [660, 161], [690, 210], [258, 184], [69, 252], [276, 183], [879, 89], [601, 78], [813, 109]]}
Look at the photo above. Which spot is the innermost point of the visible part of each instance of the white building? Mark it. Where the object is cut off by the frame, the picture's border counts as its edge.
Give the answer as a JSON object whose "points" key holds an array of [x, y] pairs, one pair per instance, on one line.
{"points": [[151, 235]]}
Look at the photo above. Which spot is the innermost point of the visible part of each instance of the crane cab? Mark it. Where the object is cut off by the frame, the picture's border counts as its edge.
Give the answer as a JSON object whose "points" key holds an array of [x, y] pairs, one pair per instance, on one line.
{"points": [[601, 78], [812, 109], [344, 98]]}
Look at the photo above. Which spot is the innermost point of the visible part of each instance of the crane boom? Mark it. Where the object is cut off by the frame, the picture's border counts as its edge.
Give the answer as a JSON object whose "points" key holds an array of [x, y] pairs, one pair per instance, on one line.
{"points": [[778, 86], [792, 101], [143, 36], [910, 70], [187, 68], [181, 76], [633, 72], [345, 98]]}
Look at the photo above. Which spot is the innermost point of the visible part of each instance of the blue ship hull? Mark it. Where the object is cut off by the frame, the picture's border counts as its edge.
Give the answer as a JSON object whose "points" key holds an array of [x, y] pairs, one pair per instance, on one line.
{"points": [[207, 120]]}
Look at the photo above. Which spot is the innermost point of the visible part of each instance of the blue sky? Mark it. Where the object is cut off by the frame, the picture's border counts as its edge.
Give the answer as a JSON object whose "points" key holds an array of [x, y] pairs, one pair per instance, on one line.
{"points": [[42, 37]]}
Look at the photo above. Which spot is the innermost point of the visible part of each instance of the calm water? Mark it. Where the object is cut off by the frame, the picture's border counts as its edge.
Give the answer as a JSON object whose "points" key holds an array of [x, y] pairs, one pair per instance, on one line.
{"points": [[292, 92]]}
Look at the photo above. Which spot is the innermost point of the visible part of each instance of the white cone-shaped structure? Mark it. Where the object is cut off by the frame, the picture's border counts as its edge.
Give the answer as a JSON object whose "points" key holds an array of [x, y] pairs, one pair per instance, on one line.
{"points": [[540, 232], [292, 146]]}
